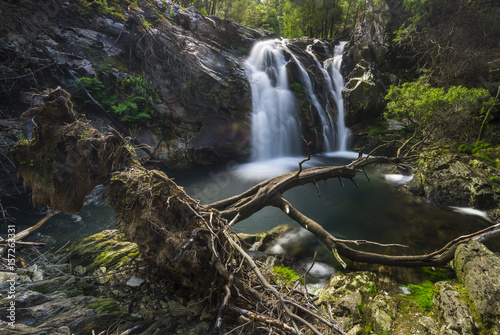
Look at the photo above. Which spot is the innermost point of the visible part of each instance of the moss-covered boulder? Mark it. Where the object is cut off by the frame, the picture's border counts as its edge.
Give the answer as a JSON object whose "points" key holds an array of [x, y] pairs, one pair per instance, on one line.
{"points": [[108, 249], [479, 270], [454, 179]]}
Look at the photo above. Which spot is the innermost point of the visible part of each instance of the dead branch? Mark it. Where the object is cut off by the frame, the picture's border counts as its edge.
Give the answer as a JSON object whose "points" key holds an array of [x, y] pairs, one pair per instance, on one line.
{"points": [[308, 155], [19, 236], [437, 258], [263, 319], [264, 193]]}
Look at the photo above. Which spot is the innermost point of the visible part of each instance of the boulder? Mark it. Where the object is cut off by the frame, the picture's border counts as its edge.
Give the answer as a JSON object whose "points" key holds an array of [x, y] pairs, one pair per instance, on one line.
{"points": [[479, 270], [455, 317], [455, 180]]}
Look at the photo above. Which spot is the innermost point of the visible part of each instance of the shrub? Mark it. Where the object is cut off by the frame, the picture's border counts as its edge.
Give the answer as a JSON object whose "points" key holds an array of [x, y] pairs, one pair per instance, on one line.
{"points": [[437, 113]]}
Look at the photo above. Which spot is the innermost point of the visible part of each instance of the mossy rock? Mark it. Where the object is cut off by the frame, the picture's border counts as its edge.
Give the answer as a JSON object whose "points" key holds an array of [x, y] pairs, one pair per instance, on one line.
{"points": [[262, 241], [109, 249]]}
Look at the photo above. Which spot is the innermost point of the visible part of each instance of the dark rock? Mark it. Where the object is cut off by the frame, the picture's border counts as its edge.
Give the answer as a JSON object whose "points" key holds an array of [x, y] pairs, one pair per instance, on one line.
{"points": [[479, 270], [455, 180]]}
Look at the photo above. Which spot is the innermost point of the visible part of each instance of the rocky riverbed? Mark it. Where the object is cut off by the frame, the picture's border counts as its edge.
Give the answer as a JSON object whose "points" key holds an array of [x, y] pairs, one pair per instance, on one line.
{"points": [[101, 285]]}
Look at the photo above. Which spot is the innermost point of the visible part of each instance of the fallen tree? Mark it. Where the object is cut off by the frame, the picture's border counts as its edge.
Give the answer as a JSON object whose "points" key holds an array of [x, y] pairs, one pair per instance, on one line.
{"points": [[193, 243]]}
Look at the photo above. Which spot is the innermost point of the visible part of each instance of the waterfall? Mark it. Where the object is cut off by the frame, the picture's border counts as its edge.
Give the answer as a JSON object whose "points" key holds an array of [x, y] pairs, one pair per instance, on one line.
{"points": [[335, 84], [275, 128], [276, 131], [334, 64]]}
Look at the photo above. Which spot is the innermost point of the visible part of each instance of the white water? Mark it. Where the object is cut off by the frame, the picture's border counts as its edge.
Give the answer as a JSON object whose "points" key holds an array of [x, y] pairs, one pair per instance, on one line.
{"points": [[275, 128], [335, 83], [333, 65]]}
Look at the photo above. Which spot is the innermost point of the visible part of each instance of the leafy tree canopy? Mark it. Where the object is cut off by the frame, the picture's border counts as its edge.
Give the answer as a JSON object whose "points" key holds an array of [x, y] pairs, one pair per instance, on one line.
{"points": [[287, 18]]}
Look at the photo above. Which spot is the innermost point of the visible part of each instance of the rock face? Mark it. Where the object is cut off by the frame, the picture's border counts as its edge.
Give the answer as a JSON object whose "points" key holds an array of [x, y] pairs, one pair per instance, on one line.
{"points": [[454, 314], [457, 180], [365, 56], [200, 115]]}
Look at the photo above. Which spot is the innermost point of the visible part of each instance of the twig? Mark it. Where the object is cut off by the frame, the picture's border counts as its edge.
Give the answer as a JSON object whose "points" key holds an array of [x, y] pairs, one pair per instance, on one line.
{"points": [[305, 159], [31, 72], [264, 319], [19, 236]]}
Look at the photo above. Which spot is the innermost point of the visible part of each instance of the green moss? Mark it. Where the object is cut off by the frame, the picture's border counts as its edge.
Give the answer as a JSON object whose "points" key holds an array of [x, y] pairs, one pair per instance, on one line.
{"points": [[108, 249], [423, 294], [438, 274], [296, 87], [107, 305], [285, 275], [495, 179], [473, 148]]}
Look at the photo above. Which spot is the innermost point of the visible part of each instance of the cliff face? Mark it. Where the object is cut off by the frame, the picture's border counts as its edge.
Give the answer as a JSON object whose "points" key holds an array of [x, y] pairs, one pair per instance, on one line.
{"points": [[190, 66], [173, 77]]}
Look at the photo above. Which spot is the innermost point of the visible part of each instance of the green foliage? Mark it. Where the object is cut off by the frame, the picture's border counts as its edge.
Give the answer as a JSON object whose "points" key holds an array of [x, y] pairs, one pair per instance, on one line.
{"points": [[495, 179], [287, 18], [297, 87], [102, 7], [131, 99], [435, 112], [423, 294], [21, 139]]}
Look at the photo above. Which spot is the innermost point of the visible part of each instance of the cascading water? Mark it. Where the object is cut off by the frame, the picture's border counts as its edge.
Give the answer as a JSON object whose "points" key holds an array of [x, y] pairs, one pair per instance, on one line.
{"points": [[275, 129], [333, 65], [335, 82]]}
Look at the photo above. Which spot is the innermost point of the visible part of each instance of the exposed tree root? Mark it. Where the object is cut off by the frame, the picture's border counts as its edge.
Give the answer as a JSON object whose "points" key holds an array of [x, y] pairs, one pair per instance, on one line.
{"points": [[194, 243]]}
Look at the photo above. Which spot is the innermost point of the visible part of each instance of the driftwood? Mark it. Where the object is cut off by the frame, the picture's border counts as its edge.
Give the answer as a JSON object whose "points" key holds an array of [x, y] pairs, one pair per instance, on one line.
{"points": [[195, 243]]}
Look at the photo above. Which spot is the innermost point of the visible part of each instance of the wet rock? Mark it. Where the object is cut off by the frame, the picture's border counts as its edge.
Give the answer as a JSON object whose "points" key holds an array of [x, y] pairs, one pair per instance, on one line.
{"points": [[348, 294], [455, 180], [262, 241], [479, 270], [381, 312], [454, 315], [178, 310]]}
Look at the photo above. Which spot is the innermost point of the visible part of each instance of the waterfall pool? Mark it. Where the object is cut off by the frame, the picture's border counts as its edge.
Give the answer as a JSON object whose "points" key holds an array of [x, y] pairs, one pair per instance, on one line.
{"points": [[373, 210]]}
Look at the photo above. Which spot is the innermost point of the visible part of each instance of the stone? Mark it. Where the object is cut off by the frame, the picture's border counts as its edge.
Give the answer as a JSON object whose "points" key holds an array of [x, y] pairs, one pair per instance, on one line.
{"points": [[178, 310], [479, 270], [454, 315], [382, 311], [6, 278], [135, 281]]}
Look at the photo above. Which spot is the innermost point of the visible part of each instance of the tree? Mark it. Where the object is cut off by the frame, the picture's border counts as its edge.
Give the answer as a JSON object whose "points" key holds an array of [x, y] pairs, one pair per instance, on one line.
{"points": [[191, 241]]}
